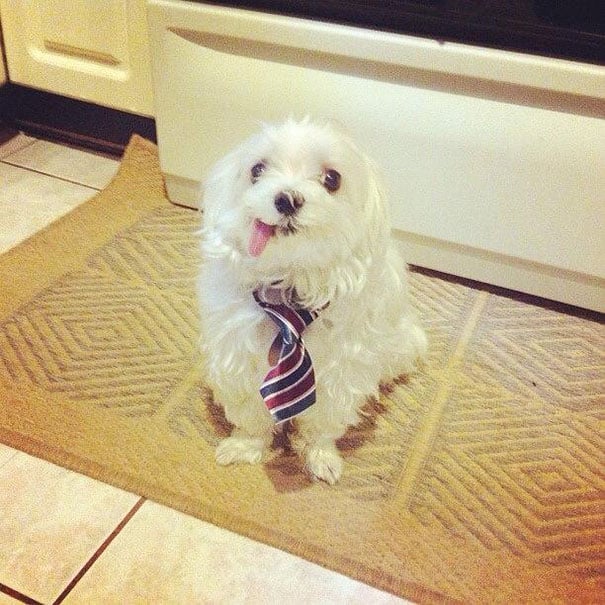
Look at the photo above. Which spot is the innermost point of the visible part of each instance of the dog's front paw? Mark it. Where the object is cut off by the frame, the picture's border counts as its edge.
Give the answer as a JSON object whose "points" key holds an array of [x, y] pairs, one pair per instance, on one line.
{"points": [[324, 462], [239, 449]]}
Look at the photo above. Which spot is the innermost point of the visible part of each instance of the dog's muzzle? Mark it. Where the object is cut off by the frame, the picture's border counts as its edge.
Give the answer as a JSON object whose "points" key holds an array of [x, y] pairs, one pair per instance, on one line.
{"points": [[288, 202]]}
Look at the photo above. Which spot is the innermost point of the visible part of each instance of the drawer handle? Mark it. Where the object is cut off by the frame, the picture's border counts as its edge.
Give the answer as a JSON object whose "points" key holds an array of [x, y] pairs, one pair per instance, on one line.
{"points": [[82, 53]]}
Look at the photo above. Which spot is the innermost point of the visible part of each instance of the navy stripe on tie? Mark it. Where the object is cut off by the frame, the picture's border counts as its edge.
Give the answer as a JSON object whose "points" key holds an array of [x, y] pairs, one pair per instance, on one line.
{"points": [[295, 409]]}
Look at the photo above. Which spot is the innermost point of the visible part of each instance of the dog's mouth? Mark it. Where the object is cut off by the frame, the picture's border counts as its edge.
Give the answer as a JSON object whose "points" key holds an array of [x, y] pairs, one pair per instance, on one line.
{"points": [[262, 233]]}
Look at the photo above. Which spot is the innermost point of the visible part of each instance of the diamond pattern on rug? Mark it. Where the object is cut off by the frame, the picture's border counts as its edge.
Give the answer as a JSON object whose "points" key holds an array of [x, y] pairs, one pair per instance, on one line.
{"points": [[120, 332], [161, 251], [519, 457], [539, 353]]}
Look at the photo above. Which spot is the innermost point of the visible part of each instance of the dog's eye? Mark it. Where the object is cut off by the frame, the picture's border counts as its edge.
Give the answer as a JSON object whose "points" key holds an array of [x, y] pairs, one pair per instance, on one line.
{"points": [[331, 180], [256, 171]]}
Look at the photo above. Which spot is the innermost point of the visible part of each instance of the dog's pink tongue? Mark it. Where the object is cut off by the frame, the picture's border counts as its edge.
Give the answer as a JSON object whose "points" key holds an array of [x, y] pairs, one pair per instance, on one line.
{"points": [[261, 234]]}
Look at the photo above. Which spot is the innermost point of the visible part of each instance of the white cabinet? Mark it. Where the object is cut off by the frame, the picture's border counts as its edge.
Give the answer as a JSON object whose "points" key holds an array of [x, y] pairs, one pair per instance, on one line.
{"points": [[93, 50], [489, 177]]}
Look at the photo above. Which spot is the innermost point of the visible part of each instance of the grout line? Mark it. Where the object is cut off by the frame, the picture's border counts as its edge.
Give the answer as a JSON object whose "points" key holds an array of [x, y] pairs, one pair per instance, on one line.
{"points": [[53, 176], [18, 596], [10, 457], [99, 551], [27, 145]]}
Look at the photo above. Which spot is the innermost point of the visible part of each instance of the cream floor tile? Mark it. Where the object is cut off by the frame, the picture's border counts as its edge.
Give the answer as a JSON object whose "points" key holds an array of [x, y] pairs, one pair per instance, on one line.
{"points": [[15, 144], [6, 454], [162, 556], [65, 162], [29, 201], [52, 522]]}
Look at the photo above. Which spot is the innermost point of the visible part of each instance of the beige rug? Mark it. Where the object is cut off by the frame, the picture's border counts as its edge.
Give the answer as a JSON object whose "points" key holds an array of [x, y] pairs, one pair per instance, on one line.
{"points": [[480, 480]]}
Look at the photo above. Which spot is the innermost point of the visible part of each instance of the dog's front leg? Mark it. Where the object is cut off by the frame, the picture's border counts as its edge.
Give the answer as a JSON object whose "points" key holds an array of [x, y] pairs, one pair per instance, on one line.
{"points": [[253, 428], [241, 448], [323, 460], [316, 443]]}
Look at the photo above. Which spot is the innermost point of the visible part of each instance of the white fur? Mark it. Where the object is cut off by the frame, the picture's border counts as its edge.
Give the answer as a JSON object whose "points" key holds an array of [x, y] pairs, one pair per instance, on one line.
{"points": [[341, 255]]}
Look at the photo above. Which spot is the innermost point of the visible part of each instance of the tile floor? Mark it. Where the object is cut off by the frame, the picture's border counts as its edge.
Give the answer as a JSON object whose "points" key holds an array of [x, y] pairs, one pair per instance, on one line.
{"points": [[65, 538]]}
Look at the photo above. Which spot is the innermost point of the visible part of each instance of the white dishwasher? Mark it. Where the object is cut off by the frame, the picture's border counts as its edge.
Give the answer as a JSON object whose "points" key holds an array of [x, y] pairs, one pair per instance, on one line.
{"points": [[494, 160]]}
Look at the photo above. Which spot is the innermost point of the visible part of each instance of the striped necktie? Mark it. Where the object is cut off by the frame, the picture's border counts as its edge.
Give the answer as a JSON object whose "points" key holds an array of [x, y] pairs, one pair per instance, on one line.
{"points": [[289, 387]]}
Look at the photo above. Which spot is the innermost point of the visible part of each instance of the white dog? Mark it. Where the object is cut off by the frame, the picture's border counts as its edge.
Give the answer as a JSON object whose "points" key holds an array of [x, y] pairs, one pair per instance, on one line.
{"points": [[296, 238]]}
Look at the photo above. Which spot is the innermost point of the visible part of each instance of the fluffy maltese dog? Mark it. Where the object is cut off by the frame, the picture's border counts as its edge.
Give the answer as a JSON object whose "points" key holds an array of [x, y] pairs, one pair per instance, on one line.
{"points": [[304, 300]]}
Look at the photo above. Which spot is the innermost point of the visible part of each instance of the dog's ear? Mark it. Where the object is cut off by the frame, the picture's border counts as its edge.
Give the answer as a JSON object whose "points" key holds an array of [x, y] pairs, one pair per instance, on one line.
{"points": [[219, 189], [374, 205], [221, 194], [371, 190]]}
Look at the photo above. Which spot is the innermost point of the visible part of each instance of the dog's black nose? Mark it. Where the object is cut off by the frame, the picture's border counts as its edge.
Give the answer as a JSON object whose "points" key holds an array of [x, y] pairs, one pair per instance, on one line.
{"points": [[288, 202]]}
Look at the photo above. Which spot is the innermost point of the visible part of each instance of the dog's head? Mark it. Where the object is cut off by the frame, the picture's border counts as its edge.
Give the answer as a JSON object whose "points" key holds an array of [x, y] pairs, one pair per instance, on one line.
{"points": [[295, 193]]}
